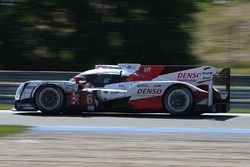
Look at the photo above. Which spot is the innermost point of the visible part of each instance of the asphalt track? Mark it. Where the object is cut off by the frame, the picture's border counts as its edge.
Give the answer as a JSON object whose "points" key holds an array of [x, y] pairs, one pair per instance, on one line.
{"points": [[120, 139], [109, 119], [226, 126]]}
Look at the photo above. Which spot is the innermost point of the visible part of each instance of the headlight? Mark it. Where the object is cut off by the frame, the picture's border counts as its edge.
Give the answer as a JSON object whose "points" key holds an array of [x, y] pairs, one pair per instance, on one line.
{"points": [[19, 91]]}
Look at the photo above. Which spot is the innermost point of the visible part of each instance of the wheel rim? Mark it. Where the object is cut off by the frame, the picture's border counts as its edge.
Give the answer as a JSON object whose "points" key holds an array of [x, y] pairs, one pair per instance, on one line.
{"points": [[178, 100], [49, 99]]}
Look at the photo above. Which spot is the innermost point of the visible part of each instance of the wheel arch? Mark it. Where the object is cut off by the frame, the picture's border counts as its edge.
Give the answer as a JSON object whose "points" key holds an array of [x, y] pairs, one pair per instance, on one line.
{"points": [[179, 84], [182, 85], [35, 91], [45, 84]]}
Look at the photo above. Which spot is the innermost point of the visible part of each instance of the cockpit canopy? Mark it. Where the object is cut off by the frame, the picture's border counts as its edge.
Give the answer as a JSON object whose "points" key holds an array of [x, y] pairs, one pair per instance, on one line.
{"points": [[101, 77]]}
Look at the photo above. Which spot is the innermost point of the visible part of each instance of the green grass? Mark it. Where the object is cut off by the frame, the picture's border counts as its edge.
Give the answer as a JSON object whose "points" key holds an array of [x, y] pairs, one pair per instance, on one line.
{"points": [[221, 36], [11, 129], [240, 71], [6, 106], [240, 110], [234, 70]]}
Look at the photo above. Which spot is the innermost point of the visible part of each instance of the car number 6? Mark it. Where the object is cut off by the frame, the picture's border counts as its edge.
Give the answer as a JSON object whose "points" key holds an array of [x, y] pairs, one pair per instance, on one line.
{"points": [[89, 99]]}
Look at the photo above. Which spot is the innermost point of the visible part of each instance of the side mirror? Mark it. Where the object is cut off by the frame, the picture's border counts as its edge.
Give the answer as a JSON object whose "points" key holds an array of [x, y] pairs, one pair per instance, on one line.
{"points": [[79, 79]]}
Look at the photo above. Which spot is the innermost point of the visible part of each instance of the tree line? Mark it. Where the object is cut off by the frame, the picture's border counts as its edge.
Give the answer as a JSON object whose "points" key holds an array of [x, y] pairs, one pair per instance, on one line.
{"points": [[77, 34]]}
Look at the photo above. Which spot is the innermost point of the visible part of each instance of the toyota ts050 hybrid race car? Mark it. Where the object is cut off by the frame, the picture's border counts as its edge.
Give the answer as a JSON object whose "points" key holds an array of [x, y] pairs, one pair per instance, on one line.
{"points": [[179, 90]]}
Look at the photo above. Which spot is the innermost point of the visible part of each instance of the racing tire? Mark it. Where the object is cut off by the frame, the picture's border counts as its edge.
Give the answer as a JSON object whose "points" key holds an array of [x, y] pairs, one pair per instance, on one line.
{"points": [[178, 101], [49, 99]]}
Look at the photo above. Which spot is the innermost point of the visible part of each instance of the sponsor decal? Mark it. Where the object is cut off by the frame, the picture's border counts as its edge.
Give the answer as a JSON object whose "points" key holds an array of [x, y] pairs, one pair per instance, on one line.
{"points": [[188, 75], [142, 85], [149, 91], [157, 85], [206, 78], [147, 69]]}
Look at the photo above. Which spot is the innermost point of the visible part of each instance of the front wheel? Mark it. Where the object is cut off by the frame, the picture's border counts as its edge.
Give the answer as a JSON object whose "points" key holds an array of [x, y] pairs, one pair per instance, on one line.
{"points": [[178, 100], [49, 99]]}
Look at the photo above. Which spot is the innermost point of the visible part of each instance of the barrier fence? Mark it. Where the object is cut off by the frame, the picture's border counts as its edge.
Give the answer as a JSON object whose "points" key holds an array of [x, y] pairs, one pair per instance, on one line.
{"points": [[10, 80]]}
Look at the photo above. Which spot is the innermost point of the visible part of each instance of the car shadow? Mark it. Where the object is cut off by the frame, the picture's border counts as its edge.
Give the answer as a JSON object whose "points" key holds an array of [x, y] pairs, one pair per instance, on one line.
{"points": [[214, 117]]}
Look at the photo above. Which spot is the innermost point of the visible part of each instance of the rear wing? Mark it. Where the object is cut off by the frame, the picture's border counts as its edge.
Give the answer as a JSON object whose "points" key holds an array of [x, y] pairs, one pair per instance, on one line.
{"points": [[223, 79]]}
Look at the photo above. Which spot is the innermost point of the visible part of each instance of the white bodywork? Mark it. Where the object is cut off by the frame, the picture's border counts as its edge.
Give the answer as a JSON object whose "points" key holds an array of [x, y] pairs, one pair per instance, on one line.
{"points": [[32, 86], [130, 89], [138, 90], [155, 87]]}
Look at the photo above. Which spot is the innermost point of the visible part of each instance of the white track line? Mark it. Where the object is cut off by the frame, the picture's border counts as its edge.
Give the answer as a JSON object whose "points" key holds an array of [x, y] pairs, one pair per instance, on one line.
{"points": [[210, 114]]}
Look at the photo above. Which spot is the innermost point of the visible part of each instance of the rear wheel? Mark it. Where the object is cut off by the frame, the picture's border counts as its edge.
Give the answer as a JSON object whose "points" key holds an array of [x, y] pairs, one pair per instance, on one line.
{"points": [[49, 99], [178, 100]]}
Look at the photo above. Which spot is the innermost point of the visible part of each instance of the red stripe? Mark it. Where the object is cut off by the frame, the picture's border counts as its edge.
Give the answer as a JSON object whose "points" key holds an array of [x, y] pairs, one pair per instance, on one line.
{"points": [[152, 103], [203, 81], [199, 96], [146, 73]]}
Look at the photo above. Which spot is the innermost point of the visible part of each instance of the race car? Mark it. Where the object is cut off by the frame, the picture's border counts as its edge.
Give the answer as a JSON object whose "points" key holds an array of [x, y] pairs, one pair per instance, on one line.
{"points": [[178, 90]]}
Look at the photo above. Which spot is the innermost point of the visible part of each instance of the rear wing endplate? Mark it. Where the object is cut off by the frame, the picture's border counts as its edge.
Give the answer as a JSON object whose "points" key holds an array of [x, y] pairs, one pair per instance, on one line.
{"points": [[223, 78]]}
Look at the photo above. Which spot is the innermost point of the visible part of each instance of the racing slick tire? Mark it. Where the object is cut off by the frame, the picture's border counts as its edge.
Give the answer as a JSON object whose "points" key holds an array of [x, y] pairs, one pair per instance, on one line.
{"points": [[49, 99], [178, 100]]}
